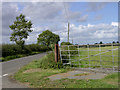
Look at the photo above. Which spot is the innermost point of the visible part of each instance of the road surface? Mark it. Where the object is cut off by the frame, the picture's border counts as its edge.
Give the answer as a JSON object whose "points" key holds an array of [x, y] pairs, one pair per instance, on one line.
{"points": [[10, 67]]}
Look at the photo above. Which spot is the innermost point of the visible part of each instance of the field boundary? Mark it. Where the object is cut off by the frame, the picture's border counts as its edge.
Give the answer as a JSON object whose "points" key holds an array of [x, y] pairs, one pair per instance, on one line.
{"points": [[72, 55]]}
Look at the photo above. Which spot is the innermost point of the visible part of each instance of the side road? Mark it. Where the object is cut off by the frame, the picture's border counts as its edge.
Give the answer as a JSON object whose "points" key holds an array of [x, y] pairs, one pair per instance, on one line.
{"points": [[10, 67]]}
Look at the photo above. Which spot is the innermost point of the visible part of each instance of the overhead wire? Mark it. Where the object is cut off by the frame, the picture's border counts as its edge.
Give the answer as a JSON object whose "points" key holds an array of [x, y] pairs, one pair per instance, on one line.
{"points": [[66, 12], [67, 17]]}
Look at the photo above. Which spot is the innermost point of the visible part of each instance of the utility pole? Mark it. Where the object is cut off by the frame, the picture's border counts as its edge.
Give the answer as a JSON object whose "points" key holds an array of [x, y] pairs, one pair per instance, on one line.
{"points": [[68, 31]]}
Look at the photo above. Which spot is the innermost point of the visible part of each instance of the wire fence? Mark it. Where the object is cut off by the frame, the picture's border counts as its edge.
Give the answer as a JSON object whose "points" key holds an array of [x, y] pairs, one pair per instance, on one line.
{"points": [[98, 56]]}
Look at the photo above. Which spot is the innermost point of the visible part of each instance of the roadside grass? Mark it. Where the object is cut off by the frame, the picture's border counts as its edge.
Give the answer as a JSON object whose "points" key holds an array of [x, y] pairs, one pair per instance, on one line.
{"points": [[37, 79], [40, 79], [33, 76], [84, 57]]}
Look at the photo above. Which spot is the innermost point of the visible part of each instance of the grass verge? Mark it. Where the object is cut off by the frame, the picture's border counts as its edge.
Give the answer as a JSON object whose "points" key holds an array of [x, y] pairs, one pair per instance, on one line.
{"points": [[35, 75]]}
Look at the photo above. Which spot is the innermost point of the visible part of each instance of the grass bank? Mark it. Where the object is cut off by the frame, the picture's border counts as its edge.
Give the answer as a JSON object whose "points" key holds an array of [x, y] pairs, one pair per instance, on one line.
{"points": [[35, 75]]}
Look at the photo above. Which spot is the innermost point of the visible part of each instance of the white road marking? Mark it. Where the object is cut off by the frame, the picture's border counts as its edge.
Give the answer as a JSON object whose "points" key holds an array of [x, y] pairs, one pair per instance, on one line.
{"points": [[3, 75]]}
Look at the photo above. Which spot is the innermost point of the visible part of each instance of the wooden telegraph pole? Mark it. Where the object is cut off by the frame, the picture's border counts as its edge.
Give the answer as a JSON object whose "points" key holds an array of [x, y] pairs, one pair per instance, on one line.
{"points": [[68, 31]]}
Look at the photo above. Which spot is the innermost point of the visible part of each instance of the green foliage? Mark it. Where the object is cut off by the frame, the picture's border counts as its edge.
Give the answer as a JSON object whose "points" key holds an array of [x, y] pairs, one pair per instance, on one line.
{"points": [[47, 38], [49, 62], [113, 42], [66, 43], [11, 57], [101, 42], [12, 49], [20, 28], [64, 46]]}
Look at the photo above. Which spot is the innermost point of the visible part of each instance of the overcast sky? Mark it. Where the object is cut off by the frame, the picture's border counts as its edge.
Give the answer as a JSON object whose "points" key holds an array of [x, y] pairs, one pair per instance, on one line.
{"points": [[90, 22]]}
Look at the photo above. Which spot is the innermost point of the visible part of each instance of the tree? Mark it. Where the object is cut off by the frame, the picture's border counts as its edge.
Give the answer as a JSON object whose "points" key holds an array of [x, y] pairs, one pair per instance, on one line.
{"points": [[101, 42], [95, 43], [47, 38], [66, 43], [113, 42], [117, 42], [20, 28]]}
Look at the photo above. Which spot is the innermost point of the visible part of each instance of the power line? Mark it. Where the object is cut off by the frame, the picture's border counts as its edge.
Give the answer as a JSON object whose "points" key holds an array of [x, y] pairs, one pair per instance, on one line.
{"points": [[67, 19], [66, 12]]}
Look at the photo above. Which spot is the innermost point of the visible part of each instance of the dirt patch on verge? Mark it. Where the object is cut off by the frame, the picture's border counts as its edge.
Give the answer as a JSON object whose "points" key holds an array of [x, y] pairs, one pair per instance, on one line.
{"points": [[77, 75], [33, 70]]}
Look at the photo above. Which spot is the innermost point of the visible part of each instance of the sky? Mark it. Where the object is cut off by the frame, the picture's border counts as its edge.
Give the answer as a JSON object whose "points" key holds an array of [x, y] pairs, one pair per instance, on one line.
{"points": [[90, 22]]}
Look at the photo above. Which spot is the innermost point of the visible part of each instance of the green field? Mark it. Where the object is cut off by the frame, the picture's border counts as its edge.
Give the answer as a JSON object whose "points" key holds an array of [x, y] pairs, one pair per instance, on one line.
{"points": [[104, 56]]}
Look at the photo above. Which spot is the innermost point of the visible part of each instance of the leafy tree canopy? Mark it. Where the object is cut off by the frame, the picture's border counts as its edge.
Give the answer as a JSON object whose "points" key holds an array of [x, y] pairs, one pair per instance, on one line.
{"points": [[101, 42], [47, 38], [66, 43], [20, 28], [113, 42], [117, 42]]}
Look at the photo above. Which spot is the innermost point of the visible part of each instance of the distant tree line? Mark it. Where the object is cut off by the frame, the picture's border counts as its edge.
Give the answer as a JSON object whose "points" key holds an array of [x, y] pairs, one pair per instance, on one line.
{"points": [[108, 43]]}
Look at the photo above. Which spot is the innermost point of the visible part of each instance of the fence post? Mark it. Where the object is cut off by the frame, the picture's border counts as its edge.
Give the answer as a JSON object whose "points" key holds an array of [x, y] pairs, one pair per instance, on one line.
{"points": [[88, 46], [57, 54], [69, 55], [100, 56], [112, 58], [79, 55]]}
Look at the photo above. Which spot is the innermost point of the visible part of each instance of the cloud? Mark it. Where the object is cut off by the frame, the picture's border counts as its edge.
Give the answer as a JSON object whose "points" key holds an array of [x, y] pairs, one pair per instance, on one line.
{"points": [[82, 34], [95, 6], [83, 18], [43, 11], [114, 24], [48, 12], [9, 12], [93, 33], [52, 16], [52, 12], [98, 17], [73, 15]]}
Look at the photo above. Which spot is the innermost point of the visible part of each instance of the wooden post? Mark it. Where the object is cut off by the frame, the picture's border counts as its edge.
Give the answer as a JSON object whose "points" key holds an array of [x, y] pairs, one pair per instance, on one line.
{"points": [[57, 53]]}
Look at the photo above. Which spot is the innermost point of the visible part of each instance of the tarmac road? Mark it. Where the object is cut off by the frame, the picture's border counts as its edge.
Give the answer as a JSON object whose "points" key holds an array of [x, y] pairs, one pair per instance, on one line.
{"points": [[10, 67]]}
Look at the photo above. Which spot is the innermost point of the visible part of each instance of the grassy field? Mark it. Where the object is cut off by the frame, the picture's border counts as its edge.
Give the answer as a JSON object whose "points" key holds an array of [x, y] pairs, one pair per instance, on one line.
{"points": [[95, 56], [35, 77]]}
